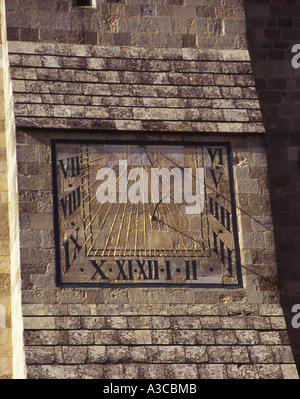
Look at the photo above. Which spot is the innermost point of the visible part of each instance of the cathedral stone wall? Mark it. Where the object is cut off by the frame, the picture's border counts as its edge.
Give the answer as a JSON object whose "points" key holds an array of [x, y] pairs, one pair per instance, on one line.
{"points": [[169, 75], [273, 30], [151, 332]]}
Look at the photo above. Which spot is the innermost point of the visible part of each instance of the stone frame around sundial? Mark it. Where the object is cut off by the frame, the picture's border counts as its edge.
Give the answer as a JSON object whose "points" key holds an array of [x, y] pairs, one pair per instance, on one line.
{"points": [[134, 239]]}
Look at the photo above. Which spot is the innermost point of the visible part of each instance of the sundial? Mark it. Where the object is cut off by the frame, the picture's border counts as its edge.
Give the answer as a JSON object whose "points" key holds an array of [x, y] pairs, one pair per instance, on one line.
{"points": [[145, 214]]}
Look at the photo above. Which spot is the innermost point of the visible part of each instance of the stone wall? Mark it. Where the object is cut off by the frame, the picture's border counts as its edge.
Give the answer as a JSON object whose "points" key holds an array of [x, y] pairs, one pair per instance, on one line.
{"points": [[12, 359], [176, 72], [273, 29], [151, 332], [157, 340], [128, 88], [167, 23]]}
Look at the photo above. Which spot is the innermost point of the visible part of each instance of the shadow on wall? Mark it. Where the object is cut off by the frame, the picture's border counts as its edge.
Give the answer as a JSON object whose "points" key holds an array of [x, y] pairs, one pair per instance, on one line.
{"points": [[272, 31]]}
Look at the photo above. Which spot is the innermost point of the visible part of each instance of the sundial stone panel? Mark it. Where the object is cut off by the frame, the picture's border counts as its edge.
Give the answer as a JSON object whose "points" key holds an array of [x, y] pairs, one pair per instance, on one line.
{"points": [[150, 214]]}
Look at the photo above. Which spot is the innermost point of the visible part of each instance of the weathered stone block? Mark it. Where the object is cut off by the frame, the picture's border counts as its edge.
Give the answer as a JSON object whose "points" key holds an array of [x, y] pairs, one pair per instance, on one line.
{"points": [[59, 372], [81, 337], [67, 323], [74, 354], [219, 354], [240, 354], [212, 371], [171, 354], [225, 337], [106, 337], [247, 337], [97, 354], [39, 323], [39, 355], [181, 372], [117, 354], [261, 354], [196, 354], [93, 323]]}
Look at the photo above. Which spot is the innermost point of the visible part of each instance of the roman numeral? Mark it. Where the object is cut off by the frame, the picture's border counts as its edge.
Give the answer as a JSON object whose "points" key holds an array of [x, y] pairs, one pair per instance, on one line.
{"points": [[70, 202], [215, 179], [220, 213], [188, 270], [76, 249], [224, 253], [142, 271], [216, 153], [70, 164], [122, 273], [98, 269], [148, 270]]}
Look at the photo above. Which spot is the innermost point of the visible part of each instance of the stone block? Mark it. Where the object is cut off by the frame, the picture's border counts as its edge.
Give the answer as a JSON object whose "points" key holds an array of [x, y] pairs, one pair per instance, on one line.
{"points": [[161, 322], [39, 323], [212, 371], [74, 354], [81, 337], [270, 310], [234, 322], [67, 323], [117, 322], [269, 337], [219, 354], [162, 337], [225, 337], [196, 354], [261, 354], [181, 371], [59, 372], [33, 372], [283, 354], [270, 371], [186, 322], [171, 354], [278, 323], [234, 372], [80, 310], [247, 337], [213, 322], [182, 337], [117, 354], [29, 35], [289, 371], [127, 337], [113, 371], [240, 355], [93, 323], [143, 337], [90, 371], [106, 337], [97, 354], [39, 355]]}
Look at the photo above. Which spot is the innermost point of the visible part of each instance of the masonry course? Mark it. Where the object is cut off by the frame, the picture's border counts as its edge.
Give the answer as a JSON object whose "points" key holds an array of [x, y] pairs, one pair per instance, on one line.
{"points": [[159, 340], [201, 88]]}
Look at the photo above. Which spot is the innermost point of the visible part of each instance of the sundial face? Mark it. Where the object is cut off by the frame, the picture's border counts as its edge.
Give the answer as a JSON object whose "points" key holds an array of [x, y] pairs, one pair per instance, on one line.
{"points": [[134, 214]]}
